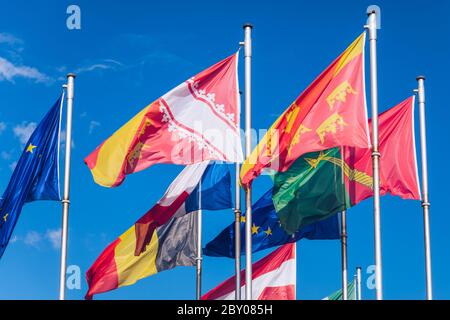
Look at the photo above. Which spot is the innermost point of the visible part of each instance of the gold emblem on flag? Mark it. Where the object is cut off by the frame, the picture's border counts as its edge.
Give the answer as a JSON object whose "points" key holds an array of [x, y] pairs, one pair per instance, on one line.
{"points": [[331, 125], [340, 93], [296, 139]]}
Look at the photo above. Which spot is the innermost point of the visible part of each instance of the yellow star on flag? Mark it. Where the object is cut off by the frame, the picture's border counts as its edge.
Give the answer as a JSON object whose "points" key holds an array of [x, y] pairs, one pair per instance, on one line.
{"points": [[5, 217], [31, 148], [268, 232], [243, 219], [255, 229]]}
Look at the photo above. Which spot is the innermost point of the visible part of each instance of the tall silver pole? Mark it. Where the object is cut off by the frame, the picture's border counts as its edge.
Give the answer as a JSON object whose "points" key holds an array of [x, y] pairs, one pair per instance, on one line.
{"points": [[237, 234], [358, 283], [66, 199], [199, 244], [372, 26], [248, 149], [344, 234], [344, 254], [425, 200]]}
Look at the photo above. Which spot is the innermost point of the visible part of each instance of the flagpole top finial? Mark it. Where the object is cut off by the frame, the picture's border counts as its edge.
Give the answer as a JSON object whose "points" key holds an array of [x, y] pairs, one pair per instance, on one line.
{"points": [[248, 24], [420, 78], [71, 75]]}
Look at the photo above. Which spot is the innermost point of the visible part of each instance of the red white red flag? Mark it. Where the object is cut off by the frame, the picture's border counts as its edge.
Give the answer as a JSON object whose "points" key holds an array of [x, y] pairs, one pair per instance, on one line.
{"points": [[274, 278]]}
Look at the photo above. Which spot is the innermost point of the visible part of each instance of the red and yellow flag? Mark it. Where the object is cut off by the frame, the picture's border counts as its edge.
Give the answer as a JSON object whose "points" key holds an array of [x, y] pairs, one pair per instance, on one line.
{"points": [[330, 112]]}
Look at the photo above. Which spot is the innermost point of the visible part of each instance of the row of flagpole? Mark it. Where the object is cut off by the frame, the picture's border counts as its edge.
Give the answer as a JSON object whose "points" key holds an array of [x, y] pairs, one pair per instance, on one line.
{"points": [[372, 28]]}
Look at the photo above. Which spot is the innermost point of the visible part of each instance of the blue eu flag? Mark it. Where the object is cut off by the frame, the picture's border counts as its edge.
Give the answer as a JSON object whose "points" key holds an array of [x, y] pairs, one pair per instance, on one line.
{"points": [[36, 176], [267, 231]]}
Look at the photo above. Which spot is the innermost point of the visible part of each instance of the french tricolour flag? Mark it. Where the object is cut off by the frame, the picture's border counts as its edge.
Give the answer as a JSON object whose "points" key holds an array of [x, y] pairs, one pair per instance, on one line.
{"points": [[274, 278]]}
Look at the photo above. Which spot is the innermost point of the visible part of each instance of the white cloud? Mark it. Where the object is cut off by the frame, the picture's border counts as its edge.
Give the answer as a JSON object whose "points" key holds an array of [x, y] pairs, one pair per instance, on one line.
{"points": [[2, 127], [6, 155], [23, 131], [54, 236], [9, 71], [13, 165], [14, 239], [9, 39], [105, 64], [33, 239], [92, 125]]}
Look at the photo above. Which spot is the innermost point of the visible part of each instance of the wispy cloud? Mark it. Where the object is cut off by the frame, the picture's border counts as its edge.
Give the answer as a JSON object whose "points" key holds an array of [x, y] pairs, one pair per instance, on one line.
{"points": [[92, 125], [24, 130], [39, 240], [9, 71], [5, 155], [2, 127], [105, 64], [10, 39], [54, 236], [12, 165], [32, 239]]}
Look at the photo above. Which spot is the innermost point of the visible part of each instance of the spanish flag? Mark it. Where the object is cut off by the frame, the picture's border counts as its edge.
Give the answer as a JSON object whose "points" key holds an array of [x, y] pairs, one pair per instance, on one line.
{"points": [[198, 120], [330, 112]]}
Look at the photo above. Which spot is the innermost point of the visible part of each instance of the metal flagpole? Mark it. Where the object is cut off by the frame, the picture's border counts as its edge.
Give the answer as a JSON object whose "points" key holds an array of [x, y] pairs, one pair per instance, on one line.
{"points": [[199, 244], [248, 149], [237, 234], [372, 26], [425, 201], [358, 283], [344, 254], [344, 234], [66, 199]]}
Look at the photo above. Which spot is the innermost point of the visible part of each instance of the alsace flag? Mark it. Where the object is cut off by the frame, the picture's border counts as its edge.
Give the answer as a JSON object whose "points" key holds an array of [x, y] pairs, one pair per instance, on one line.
{"points": [[196, 121], [330, 112], [273, 278], [166, 236]]}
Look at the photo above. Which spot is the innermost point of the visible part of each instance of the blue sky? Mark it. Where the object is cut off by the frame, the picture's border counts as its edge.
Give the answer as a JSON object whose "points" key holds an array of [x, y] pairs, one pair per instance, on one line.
{"points": [[127, 55]]}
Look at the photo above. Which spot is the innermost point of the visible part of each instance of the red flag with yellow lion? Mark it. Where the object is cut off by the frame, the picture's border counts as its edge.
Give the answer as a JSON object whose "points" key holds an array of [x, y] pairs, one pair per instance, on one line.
{"points": [[330, 112]]}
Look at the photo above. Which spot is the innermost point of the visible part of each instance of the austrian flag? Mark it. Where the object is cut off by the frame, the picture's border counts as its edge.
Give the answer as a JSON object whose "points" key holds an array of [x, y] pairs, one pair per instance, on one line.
{"points": [[196, 121]]}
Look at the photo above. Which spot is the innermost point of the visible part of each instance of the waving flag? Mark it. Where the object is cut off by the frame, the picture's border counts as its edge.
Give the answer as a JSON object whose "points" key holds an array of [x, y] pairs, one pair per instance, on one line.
{"points": [[165, 237], [36, 176], [267, 231], [330, 112], [273, 278], [320, 184], [351, 293], [196, 121], [398, 164]]}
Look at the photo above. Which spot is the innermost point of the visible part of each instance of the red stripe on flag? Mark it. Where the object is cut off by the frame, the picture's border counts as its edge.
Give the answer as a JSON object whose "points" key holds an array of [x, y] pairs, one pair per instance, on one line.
{"points": [[102, 275]]}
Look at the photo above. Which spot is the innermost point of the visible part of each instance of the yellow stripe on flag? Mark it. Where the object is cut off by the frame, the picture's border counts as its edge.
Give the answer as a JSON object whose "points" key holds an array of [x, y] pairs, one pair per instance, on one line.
{"points": [[113, 152], [131, 268]]}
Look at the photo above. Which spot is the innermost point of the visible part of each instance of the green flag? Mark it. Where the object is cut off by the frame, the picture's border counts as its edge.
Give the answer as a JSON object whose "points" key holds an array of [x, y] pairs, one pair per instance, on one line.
{"points": [[312, 189], [351, 293]]}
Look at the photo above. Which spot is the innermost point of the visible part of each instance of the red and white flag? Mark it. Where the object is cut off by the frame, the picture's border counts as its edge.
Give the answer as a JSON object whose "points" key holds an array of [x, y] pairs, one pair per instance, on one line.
{"points": [[196, 121], [274, 278]]}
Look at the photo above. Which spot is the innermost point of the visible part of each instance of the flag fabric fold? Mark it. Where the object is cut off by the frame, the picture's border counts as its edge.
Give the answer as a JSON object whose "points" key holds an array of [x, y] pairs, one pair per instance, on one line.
{"points": [[351, 293], [320, 184], [165, 237], [273, 278], [330, 112], [198, 120], [36, 175], [267, 231]]}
